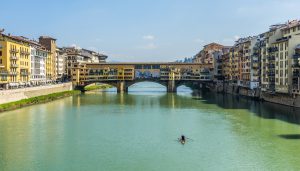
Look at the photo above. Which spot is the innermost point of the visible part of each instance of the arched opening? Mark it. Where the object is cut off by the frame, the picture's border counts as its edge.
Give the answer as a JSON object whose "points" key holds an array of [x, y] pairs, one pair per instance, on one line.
{"points": [[98, 86], [183, 89], [147, 86]]}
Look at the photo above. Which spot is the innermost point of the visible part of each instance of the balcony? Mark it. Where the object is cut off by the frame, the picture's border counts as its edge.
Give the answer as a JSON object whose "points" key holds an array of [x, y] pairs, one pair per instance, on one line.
{"points": [[271, 74], [295, 81], [3, 73], [272, 49], [14, 65], [296, 65], [282, 39], [271, 65], [13, 57], [13, 73], [255, 57], [271, 58], [24, 73], [296, 56], [24, 53], [296, 74], [14, 51], [256, 73]]}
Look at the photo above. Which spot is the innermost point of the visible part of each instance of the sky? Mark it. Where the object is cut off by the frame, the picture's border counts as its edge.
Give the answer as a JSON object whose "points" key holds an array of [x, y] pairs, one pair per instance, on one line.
{"points": [[144, 30]]}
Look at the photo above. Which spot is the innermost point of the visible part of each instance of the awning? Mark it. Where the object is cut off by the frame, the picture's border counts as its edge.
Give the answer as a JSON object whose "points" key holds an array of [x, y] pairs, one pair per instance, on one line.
{"points": [[13, 84]]}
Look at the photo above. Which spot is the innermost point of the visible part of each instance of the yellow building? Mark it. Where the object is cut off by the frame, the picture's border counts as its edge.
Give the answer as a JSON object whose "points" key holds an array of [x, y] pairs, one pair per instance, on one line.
{"points": [[14, 62], [49, 68]]}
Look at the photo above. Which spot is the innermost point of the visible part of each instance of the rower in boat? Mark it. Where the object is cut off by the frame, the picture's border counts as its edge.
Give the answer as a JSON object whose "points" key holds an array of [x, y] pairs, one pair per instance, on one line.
{"points": [[182, 139]]}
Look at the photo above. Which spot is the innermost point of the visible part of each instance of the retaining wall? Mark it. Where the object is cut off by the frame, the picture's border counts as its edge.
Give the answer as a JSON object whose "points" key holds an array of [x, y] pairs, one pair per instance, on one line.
{"points": [[7, 96], [284, 99]]}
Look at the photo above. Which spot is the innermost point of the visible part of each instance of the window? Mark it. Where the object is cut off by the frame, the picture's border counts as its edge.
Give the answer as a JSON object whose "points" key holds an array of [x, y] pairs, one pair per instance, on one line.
{"points": [[0, 53]]}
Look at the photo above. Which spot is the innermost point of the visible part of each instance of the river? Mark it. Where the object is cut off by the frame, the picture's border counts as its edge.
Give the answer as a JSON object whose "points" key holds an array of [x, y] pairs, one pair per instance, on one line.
{"points": [[103, 130]]}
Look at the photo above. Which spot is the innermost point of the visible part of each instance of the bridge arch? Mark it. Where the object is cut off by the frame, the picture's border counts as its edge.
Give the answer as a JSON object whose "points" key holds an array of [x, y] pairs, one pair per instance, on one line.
{"points": [[158, 82], [163, 83]]}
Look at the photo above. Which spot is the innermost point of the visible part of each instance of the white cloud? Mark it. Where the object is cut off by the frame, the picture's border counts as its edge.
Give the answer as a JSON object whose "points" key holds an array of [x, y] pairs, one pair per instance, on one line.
{"points": [[231, 40], [236, 37], [98, 40], [198, 40], [148, 37], [93, 48], [75, 46], [149, 46]]}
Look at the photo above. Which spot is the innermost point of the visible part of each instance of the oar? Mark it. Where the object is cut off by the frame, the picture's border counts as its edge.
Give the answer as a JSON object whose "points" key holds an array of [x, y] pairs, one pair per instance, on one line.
{"points": [[189, 139]]}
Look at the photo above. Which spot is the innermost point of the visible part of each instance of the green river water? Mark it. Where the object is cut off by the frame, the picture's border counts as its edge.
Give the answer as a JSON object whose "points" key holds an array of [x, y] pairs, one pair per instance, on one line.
{"points": [[138, 131]]}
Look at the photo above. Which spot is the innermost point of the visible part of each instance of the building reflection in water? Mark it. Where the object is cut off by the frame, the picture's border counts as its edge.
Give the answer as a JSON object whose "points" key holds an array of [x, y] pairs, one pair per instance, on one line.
{"points": [[265, 110], [157, 97]]}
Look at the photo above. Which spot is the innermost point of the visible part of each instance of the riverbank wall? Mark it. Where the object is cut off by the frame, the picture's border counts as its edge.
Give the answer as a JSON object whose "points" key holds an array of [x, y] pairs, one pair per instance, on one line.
{"points": [[256, 94], [7, 96]]}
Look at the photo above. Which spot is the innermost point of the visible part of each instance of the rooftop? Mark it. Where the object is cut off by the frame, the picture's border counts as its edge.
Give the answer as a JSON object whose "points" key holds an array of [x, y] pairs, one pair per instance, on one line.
{"points": [[47, 37]]}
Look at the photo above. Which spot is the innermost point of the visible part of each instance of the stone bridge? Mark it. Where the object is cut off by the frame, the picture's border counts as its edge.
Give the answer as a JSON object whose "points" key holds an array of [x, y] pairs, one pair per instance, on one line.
{"points": [[123, 75]]}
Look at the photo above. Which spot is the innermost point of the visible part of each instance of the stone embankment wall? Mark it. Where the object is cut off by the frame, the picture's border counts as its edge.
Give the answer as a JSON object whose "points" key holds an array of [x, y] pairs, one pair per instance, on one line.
{"points": [[284, 99], [7, 96], [234, 89]]}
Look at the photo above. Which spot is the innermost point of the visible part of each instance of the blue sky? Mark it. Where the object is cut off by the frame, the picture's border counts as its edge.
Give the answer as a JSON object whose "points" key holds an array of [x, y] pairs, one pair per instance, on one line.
{"points": [[144, 30]]}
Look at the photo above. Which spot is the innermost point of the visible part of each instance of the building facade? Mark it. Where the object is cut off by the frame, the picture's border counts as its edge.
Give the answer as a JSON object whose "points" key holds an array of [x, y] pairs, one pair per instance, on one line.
{"points": [[14, 62], [278, 57], [39, 55], [61, 58], [51, 69], [77, 55], [206, 56]]}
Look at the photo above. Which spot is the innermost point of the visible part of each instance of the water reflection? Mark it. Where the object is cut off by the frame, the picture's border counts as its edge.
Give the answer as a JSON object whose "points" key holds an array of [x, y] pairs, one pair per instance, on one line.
{"points": [[290, 136], [122, 131], [265, 110], [157, 97]]}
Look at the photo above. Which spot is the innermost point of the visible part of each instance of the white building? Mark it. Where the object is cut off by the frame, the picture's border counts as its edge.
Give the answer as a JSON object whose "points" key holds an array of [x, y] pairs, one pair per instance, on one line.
{"points": [[38, 64], [61, 57], [277, 60]]}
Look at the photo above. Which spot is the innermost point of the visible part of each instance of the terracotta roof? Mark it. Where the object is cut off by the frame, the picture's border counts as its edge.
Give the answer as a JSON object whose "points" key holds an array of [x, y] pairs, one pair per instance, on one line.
{"points": [[213, 43], [46, 37]]}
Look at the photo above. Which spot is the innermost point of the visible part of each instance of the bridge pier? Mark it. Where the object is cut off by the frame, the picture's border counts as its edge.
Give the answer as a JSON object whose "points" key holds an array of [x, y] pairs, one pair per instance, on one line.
{"points": [[171, 86], [122, 87], [80, 88]]}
